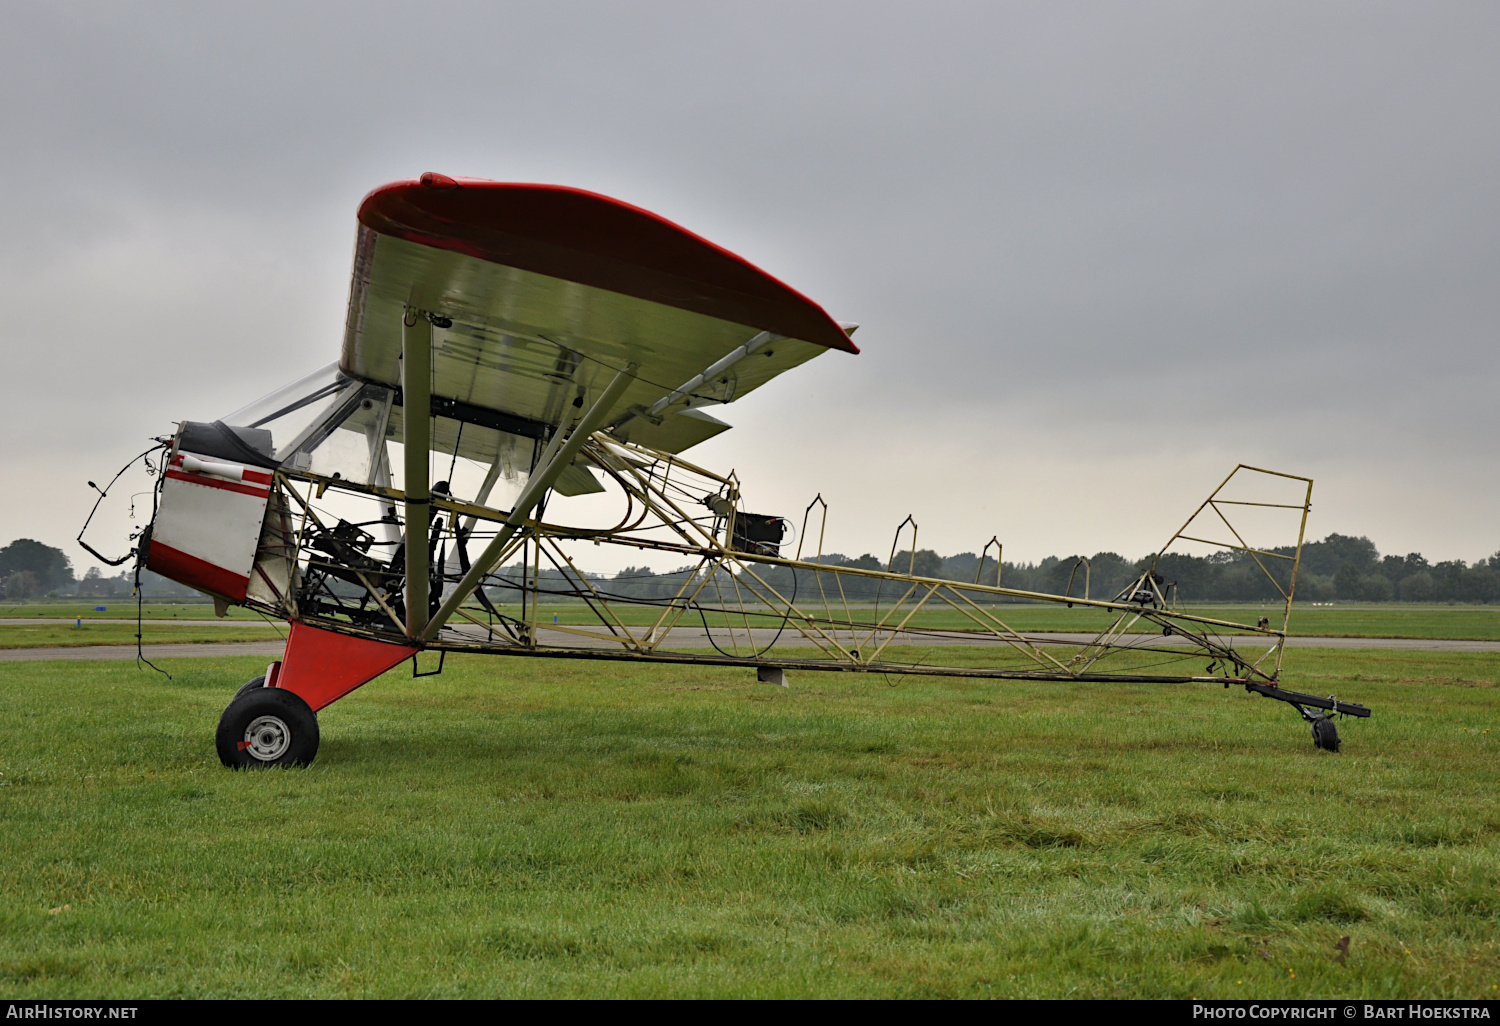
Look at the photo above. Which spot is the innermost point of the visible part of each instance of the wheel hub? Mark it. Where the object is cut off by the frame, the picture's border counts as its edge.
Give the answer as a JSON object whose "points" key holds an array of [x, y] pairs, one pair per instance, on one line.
{"points": [[267, 738]]}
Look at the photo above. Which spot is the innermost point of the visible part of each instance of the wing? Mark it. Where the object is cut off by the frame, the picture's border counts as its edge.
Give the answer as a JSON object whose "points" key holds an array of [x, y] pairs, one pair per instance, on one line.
{"points": [[550, 290]]}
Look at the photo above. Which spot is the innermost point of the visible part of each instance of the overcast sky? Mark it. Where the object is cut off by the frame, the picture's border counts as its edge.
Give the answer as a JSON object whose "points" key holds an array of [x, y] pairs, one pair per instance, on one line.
{"points": [[1100, 252]]}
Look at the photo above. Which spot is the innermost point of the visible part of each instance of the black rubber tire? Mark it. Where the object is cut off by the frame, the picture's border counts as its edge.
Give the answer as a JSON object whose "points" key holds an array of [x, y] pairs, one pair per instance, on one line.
{"points": [[250, 685], [1325, 734], [286, 730]]}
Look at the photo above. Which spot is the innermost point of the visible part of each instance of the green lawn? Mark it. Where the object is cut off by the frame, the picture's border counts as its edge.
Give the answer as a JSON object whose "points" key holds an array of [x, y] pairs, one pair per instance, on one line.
{"points": [[118, 609], [1480, 623], [1394, 620], [152, 632], [524, 828]]}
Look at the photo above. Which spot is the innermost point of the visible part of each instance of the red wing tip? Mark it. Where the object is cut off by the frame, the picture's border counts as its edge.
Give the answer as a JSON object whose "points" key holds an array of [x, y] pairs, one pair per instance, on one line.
{"points": [[436, 181]]}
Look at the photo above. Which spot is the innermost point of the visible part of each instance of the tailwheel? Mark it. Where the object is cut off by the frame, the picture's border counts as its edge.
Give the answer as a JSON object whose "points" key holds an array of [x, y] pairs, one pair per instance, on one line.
{"points": [[267, 727], [1325, 734]]}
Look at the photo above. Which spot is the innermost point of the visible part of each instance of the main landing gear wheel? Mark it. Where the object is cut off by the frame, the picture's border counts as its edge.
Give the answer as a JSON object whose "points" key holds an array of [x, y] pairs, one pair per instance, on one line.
{"points": [[267, 727], [249, 686]]}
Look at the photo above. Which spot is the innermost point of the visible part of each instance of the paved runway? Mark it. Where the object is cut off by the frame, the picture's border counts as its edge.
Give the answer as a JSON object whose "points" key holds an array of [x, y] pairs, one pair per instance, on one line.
{"points": [[695, 637]]}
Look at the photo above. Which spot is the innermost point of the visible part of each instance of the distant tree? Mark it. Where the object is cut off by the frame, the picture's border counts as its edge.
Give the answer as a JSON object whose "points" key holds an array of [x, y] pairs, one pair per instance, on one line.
{"points": [[1446, 577], [1242, 581], [1028, 576], [1328, 556], [153, 586], [1059, 573], [1339, 566], [1398, 568], [1346, 580], [21, 585], [1110, 573], [1225, 576], [1393, 569], [961, 567], [94, 584], [1196, 578], [1417, 587], [926, 563], [1315, 588], [1478, 584], [50, 566], [866, 588]]}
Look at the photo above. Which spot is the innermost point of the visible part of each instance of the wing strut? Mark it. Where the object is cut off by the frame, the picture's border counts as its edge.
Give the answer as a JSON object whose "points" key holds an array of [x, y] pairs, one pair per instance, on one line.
{"points": [[554, 461], [416, 387], [757, 343]]}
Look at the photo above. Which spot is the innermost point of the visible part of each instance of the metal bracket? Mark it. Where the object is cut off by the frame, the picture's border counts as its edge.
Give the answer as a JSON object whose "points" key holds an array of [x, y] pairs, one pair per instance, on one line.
{"points": [[442, 655]]}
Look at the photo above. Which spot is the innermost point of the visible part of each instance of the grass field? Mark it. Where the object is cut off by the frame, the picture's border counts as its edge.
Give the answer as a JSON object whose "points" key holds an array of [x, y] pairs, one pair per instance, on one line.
{"points": [[152, 633], [527, 828], [119, 609], [1478, 623]]}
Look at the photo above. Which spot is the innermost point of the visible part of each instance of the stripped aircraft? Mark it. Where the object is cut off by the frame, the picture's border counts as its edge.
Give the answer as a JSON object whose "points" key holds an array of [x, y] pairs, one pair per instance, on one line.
{"points": [[559, 343]]}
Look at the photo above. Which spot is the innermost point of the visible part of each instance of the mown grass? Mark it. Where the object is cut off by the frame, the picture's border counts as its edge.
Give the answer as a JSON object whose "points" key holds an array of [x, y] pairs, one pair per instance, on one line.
{"points": [[526, 827], [68, 635], [117, 609], [1396, 620], [1479, 623]]}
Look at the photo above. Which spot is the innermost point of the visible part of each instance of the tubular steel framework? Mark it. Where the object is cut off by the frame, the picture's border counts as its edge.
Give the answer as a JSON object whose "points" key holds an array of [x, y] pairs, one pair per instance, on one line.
{"points": [[734, 602], [267, 507]]}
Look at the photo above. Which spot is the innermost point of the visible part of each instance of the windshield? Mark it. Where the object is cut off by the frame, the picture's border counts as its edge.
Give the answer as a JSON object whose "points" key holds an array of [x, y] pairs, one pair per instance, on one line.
{"points": [[290, 413], [350, 442]]}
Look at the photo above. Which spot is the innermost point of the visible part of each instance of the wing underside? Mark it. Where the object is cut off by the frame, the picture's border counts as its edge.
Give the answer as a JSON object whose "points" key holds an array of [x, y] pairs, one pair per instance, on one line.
{"points": [[521, 342]]}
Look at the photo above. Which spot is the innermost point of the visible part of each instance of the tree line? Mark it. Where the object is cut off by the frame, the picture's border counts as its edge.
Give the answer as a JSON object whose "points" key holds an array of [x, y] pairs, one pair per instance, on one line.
{"points": [[30, 570], [1338, 568]]}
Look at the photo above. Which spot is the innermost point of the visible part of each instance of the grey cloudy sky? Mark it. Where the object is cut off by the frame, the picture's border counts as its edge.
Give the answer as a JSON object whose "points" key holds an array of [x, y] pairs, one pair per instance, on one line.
{"points": [[1100, 252]]}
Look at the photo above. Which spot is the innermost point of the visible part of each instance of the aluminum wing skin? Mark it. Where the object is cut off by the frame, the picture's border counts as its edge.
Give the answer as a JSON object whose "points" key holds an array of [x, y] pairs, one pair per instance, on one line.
{"points": [[552, 290]]}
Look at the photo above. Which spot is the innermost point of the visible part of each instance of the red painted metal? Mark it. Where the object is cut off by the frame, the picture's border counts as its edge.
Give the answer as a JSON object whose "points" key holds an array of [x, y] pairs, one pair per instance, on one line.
{"points": [[597, 241], [322, 666], [253, 476], [205, 481], [195, 572]]}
